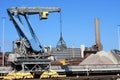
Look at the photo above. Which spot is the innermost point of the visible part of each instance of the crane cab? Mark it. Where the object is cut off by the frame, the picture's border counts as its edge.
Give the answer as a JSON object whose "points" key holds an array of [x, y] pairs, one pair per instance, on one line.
{"points": [[44, 15]]}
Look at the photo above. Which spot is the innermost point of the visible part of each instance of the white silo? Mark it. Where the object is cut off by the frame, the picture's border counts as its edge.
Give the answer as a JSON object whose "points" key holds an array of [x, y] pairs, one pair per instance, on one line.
{"points": [[82, 47]]}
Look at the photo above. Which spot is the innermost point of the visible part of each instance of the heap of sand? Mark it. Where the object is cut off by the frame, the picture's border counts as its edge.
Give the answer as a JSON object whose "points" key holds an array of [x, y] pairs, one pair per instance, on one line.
{"points": [[102, 57]]}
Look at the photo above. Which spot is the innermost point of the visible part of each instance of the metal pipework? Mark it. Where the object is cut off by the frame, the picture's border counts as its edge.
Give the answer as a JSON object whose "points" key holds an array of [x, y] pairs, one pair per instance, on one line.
{"points": [[97, 35]]}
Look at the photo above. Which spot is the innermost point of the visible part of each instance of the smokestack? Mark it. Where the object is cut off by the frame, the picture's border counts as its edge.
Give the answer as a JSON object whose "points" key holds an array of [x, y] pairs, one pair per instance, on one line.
{"points": [[97, 35]]}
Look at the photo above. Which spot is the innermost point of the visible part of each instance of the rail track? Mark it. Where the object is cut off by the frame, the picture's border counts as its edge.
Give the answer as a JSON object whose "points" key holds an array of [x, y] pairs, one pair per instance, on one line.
{"points": [[99, 77]]}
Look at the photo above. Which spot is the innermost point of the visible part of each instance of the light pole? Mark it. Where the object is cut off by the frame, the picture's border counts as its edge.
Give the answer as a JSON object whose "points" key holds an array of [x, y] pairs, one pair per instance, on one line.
{"points": [[3, 20], [119, 37], [0, 48]]}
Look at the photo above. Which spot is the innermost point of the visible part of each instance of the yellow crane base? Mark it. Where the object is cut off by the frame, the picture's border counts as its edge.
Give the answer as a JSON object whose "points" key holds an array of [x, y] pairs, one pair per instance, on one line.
{"points": [[51, 74], [18, 75]]}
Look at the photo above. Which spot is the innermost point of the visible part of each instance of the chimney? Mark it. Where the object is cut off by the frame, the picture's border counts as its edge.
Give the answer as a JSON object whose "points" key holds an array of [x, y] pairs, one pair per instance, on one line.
{"points": [[97, 35]]}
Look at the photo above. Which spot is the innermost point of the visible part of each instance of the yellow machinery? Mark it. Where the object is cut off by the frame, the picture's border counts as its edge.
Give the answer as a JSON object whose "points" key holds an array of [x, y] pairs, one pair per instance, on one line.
{"points": [[63, 62], [51, 74], [18, 75], [28, 75]]}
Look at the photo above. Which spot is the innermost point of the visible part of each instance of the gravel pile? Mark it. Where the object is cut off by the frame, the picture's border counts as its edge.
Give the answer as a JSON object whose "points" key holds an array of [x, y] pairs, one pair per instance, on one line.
{"points": [[102, 57]]}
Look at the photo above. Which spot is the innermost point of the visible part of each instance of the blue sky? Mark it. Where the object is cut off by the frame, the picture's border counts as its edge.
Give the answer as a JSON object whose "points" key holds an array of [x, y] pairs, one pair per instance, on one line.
{"points": [[77, 22]]}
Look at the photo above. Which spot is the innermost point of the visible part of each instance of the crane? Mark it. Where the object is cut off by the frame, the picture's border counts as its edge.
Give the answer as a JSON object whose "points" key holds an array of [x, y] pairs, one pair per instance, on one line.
{"points": [[29, 54], [28, 42]]}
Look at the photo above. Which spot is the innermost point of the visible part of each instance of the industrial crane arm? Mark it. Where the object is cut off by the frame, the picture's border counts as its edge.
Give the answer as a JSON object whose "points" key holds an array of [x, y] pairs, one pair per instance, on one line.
{"points": [[33, 10]]}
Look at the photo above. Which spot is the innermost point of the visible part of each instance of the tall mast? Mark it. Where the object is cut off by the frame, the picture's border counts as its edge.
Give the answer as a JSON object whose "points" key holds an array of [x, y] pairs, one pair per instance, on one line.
{"points": [[3, 53]]}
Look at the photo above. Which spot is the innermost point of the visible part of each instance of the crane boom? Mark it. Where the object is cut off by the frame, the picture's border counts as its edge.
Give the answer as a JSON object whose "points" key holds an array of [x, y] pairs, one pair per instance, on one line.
{"points": [[33, 10]]}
